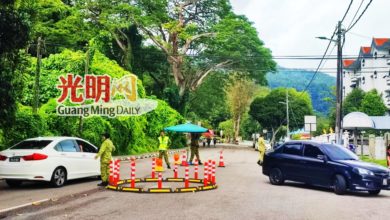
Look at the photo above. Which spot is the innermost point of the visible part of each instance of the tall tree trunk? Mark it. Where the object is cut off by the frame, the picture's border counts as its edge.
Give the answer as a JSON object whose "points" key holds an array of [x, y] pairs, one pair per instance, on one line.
{"points": [[273, 137], [237, 127], [274, 134]]}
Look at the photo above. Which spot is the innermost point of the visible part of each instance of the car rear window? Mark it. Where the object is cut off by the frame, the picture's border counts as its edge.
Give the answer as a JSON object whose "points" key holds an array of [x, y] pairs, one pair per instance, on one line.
{"points": [[31, 144]]}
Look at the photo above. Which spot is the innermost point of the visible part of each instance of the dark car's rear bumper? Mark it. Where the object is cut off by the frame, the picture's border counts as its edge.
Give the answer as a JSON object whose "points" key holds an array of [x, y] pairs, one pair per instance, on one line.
{"points": [[366, 183]]}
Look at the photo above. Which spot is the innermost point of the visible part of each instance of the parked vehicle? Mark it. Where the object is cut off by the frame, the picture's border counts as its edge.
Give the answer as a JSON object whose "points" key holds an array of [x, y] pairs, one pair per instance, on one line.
{"points": [[327, 165], [52, 159]]}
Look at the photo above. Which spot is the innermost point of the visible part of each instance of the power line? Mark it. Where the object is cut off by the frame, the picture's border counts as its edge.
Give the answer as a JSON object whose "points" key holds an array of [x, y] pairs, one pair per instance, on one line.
{"points": [[361, 3], [319, 65], [345, 14], [365, 9]]}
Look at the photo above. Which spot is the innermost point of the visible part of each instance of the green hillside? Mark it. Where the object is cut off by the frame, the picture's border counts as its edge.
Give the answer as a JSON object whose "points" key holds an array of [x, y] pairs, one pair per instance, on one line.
{"points": [[320, 88]]}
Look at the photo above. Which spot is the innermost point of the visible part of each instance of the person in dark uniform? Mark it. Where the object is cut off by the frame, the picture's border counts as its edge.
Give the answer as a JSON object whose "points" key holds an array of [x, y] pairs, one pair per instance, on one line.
{"points": [[194, 148]]}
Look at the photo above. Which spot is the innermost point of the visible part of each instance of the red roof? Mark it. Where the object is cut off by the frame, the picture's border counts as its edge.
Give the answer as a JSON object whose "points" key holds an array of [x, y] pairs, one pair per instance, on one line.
{"points": [[347, 63], [380, 41], [366, 49]]}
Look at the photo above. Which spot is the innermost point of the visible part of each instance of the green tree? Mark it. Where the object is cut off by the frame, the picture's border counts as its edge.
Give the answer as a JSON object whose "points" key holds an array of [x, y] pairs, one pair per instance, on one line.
{"points": [[58, 24], [353, 101], [209, 101], [227, 129], [14, 34], [239, 95], [372, 104], [271, 113], [111, 20], [200, 29], [249, 126]]}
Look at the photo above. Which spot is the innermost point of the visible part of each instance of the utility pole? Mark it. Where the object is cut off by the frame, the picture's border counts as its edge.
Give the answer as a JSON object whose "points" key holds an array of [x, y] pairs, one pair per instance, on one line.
{"points": [[86, 70], [288, 118], [37, 75], [287, 115], [339, 84]]}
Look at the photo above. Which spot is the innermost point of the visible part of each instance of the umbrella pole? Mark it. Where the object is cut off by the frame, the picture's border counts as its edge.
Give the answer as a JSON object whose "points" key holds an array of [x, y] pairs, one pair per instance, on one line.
{"points": [[361, 150], [355, 137]]}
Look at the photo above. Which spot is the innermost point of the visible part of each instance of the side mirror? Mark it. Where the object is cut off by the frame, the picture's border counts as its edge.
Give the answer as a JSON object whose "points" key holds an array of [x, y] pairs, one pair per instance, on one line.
{"points": [[322, 157]]}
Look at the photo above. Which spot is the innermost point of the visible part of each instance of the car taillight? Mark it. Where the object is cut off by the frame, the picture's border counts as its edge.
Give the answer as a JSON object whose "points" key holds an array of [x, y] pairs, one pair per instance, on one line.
{"points": [[35, 156], [2, 157]]}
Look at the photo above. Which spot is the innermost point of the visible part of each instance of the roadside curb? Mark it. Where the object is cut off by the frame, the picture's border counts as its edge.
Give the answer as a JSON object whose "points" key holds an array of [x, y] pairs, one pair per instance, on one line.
{"points": [[23, 205], [39, 204]]}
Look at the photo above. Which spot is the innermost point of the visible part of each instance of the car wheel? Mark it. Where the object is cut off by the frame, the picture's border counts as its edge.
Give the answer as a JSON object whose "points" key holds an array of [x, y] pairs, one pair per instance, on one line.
{"points": [[58, 178], [374, 192], [340, 185], [13, 183], [276, 176]]}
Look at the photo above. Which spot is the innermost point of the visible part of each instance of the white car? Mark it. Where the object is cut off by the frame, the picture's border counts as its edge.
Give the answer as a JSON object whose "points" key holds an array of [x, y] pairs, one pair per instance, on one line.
{"points": [[51, 159]]}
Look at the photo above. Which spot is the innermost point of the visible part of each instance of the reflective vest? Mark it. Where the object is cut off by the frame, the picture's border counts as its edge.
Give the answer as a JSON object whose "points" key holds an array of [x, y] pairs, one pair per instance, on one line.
{"points": [[163, 141]]}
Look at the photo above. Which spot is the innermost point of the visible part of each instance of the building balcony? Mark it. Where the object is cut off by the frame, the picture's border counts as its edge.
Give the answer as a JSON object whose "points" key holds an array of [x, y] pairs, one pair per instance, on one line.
{"points": [[354, 79]]}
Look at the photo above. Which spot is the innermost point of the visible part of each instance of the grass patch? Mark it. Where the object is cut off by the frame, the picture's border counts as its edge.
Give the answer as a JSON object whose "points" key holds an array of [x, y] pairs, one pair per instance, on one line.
{"points": [[379, 162]]}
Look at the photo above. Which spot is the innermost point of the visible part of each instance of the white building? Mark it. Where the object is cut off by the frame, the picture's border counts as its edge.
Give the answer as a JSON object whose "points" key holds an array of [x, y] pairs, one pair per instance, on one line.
{"points": [[371, 70]]}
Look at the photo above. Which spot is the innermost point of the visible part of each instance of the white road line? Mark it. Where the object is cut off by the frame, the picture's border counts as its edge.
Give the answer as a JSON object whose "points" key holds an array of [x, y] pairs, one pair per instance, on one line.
{"points": [[24, 205]]}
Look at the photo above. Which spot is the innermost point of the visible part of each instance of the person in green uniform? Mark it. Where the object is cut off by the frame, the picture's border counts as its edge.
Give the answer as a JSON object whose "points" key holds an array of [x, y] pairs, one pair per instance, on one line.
{"points": [[104, 153], [261, 150], [195, 148], [163, 147]]}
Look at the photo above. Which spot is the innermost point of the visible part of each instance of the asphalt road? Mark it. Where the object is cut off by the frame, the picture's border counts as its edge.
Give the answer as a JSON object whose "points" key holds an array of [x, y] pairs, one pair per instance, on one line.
{"points": [[243, 193]]}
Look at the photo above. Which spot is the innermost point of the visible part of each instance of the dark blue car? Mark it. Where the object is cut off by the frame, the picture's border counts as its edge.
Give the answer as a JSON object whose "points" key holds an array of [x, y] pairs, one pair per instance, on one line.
{"points": [[325, 165]]}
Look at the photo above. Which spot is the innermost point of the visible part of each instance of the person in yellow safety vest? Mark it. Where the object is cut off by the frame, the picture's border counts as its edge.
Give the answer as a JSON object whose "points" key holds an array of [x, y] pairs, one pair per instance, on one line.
{"points": [[261, 143], [104, 153], [163, 147]]}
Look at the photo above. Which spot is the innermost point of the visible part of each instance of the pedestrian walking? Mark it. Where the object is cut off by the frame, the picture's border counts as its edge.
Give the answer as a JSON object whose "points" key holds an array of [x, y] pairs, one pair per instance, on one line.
{"points": [[208, 141], [195, 148], [215, 141], [105, 154], [164, 141], [388, 155], [261, 143]]}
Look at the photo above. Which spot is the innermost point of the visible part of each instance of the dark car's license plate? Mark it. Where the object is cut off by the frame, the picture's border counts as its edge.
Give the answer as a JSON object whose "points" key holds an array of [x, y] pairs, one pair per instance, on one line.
{"points": [[14, 159]]}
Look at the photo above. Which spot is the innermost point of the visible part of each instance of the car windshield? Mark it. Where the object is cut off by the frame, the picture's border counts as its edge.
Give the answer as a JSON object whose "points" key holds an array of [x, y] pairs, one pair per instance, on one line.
{"points": [[31, 144], [337, 152]]}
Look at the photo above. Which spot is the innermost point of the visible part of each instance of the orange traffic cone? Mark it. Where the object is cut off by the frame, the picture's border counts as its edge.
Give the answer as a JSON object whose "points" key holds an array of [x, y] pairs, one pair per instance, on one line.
{"points": [[159, 167], [184, 159], [176, 158], [111, 177], [221, 163]]}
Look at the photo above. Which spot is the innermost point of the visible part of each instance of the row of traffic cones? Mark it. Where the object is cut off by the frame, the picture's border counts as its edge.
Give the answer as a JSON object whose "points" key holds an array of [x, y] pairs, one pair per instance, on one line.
{"points": [[185, 163], [114, 176]]}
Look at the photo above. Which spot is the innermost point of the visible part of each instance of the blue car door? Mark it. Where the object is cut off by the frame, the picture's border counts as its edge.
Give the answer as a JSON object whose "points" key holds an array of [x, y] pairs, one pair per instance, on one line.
{"points": [[290, 161], [315, 171]]}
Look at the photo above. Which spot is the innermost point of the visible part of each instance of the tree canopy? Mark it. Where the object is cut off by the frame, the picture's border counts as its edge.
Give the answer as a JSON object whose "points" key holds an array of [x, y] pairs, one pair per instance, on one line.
{"points": [[270, 111], [372, 104], [199, 37]]}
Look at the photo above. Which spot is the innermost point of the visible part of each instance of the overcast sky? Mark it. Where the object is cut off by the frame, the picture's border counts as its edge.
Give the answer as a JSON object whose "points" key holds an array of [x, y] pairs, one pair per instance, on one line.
{"points": [[289, 27]]}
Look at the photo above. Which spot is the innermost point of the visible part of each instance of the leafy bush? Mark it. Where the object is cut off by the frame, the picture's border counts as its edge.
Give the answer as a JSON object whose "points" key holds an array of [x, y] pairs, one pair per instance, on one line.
{"points": [[26, 125], [130, 135]]}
